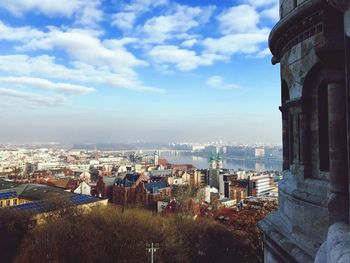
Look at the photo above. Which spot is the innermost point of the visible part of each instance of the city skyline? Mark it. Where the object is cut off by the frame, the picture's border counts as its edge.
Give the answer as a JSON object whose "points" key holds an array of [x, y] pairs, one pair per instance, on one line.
{"points": [[114, 71]]}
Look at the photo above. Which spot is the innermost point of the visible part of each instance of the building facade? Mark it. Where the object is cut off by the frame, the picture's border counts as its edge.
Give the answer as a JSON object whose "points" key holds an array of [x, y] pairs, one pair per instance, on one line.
{"points": [[261, 184], [311, 43], [135, 189], [8, 198]]}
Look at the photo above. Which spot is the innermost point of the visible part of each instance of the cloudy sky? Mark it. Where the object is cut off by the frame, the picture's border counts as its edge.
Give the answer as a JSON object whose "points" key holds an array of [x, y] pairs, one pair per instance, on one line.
{"points": [[153, 70]]}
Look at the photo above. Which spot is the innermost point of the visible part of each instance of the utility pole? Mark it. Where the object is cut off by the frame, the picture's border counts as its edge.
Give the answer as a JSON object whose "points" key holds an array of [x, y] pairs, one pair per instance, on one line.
{"points": [[151, 248]]}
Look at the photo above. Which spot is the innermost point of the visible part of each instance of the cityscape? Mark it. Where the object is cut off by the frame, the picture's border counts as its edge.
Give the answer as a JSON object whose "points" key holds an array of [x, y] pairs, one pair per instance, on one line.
{"points": [[168, 131], [42, 179]]}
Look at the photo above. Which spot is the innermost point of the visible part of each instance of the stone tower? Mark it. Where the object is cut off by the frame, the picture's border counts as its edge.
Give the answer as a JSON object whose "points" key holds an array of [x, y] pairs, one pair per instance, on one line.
{"points": [[212, 162], [311, 43], [219, 162], [156, 158]]}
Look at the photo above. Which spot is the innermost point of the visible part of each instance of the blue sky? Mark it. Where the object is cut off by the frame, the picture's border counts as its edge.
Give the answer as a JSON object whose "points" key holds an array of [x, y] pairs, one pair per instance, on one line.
{"points": [[121, 71]]}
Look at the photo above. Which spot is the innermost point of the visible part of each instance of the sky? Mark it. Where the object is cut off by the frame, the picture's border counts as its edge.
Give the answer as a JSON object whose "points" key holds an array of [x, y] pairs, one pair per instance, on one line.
{"points": [[88, 71]]}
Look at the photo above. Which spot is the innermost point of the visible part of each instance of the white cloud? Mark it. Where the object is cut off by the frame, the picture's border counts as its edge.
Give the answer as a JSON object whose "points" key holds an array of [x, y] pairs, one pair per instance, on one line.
{"points": [[271, 13], [264, 53], [144, 5], [261, 3], [119, 43], [175, 25], [169, 40], [129, 13], [85, 12], [241, 33], [90, 13], [32, 99], [64, 8], [189, 43], [182, 59], [109, 58], [218, 83], [214, 81], [124, 20], [21, 34], [239, 19], [46, 84], [85, 46], [43, 66], [246, 43]]}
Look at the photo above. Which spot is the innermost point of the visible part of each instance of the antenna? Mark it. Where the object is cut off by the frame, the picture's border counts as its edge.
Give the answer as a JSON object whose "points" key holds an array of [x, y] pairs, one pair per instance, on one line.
{"points": [[151, 248]]}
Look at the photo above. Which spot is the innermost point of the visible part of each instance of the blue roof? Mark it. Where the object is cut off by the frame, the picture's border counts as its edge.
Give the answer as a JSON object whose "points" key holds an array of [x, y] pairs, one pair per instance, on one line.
{"points": [[7, 195], [38, 206], [155, 186], [46, 205], [128, 180], [78, 199], [161, 172]]}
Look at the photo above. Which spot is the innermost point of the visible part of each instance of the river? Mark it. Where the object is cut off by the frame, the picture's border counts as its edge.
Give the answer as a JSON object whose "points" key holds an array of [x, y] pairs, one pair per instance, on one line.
{"points": [[203, 163]]}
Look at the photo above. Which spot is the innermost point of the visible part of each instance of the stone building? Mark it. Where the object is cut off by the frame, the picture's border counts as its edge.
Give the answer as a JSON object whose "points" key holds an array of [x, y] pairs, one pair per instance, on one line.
{"points": [[135, 189], [104, 187], [311, 43]]}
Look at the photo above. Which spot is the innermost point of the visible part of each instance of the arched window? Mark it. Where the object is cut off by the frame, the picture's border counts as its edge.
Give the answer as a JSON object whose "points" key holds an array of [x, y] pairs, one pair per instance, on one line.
{"points": [[315, 107]]}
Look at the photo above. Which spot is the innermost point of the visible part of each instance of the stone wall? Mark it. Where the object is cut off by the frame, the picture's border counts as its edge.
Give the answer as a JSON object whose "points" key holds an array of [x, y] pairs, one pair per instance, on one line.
{"points": [[310, 46]]}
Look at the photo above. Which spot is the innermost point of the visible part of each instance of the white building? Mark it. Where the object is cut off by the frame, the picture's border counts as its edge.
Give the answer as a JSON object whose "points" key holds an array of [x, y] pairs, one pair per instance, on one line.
{"points": [[261, 184], [259, 153], [205, 193], [221, 186], [83, 188], [198, 148], [241, 175], [228, 203], [94, 162], [79, 167], [49, 165]]}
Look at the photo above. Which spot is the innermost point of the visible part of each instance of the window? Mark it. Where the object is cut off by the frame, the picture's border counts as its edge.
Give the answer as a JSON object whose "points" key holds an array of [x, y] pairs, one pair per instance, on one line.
{"points": [[1, 204], [14, 201], [315, 113], [8, 202]]}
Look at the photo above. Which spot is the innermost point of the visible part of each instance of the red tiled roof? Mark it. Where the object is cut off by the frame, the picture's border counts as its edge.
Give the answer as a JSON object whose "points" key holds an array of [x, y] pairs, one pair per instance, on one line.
{"points": [[65, 183], [182, 166], [162, 161]]}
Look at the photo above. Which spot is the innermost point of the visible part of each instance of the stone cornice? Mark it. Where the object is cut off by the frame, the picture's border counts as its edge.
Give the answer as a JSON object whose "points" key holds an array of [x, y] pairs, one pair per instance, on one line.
{"points": [[293, 28], [291, 103]]}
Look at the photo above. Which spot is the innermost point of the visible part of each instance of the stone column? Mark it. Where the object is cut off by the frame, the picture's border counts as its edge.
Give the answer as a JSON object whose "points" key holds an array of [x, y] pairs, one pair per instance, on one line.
{"points": [[347, 74], [291, 131], [338, 203], [285, 137], [344, 7], [305, 143]]}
